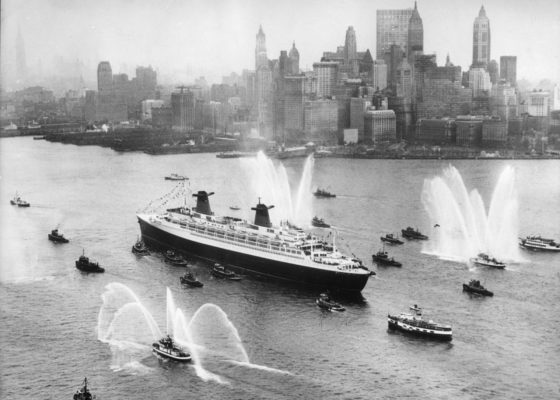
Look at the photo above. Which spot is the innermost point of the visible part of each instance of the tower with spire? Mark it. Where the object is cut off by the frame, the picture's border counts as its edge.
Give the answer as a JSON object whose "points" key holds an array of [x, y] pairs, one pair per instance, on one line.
{"points": [[481, 39], [415, 34], [261, 60], [294, 60]]}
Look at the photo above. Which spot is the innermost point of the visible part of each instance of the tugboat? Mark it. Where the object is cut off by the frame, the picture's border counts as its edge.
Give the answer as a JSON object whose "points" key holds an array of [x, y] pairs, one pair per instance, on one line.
{"points": [[382, 257], [84, 264], [176, 177], [319, 222], [474, 286], [485, 259], [167, 348], [83, 393], [174, 259], [323, 193], [234, 208], [411, 233], [324, 301], [538, 243], [414, 324], [54, 236], [140, 248], [190, 279], [18, 201], [391, 239], [219, 271]]}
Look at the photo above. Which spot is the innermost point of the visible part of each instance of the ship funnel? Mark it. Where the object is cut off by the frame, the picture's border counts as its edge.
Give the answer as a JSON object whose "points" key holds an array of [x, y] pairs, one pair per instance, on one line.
{"points": [[202, 202], [261, 214]]}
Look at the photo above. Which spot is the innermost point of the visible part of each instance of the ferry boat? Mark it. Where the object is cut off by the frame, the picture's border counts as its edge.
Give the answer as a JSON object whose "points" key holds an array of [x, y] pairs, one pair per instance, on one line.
{"points": [[176, 177], [382, 257], [84, 264], [391, 239], [411, 233], [259, 247], [486, 260], [83, 393], [414, 324], [323, 193], [326, 303], [474, 286], [538, 243], [54, 236], [319, 222], [167, 348]]}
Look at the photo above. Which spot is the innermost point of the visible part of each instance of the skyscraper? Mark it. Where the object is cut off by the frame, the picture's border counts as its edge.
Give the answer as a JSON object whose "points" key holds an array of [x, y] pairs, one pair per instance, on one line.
{"points": [[392, 29], [508, 69], [351, 61], [294, 60], [261, 59], [481, 39], [326, 73], [104, 78], [415, 34]]}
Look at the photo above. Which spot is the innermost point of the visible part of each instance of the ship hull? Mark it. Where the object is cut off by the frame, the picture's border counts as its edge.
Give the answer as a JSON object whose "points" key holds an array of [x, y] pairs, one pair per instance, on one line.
{"points": [[342, 281]]}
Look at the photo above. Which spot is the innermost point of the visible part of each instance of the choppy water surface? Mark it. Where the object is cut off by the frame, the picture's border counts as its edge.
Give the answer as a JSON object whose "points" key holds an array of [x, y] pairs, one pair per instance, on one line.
{"points": [[259, 339]]}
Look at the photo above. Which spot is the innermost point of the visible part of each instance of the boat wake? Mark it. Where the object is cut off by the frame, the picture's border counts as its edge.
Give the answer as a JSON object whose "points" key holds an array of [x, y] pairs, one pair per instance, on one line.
{"points": [[129, 329]]}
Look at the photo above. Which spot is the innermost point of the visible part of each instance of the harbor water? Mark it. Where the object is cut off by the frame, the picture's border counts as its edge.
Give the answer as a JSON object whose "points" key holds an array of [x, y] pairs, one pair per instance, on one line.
{"points": [[267, 339]]}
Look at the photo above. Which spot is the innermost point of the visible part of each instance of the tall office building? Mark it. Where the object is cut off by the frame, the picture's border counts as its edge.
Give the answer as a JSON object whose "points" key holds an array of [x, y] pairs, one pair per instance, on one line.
{"points": [[294, 60], [415, 34], [508, 69], [350, 52], [326, 73], [294, 97], [260, 50], [481, 39], [183, 109], [479, 82], [379, 75], [392, 29], [104, 78]]}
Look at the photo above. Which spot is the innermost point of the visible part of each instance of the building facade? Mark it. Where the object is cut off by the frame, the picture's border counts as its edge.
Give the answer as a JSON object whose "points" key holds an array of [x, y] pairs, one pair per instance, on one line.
{"points": [[380, 126], [326, 73], [481, 39], [508, 69]]}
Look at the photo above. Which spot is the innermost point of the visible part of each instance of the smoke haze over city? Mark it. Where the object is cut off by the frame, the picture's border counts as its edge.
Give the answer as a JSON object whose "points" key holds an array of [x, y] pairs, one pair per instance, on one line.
{"points": [[183, 40]]}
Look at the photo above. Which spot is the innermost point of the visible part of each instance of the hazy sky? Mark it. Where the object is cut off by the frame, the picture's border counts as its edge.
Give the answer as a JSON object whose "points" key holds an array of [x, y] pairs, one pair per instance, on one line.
{"points": [[215, 37]]}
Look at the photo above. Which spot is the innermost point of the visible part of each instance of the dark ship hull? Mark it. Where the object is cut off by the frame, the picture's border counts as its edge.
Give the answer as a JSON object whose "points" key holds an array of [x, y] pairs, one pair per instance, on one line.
{"points": [[336, 280], [477, 290]]}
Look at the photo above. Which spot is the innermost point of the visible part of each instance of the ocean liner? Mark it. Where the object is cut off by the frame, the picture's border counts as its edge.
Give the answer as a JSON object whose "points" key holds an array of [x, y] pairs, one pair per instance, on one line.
{"points": [[277, 252]]}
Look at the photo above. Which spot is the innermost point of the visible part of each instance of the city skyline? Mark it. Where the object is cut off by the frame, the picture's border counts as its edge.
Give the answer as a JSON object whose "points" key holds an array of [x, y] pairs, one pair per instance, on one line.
{"points": [[188, 39]]}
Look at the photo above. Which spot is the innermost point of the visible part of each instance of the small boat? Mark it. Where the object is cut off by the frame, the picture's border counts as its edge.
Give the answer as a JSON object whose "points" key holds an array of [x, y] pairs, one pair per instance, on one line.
{"points": [[174, 259], [323, 193], [167, 348], [382, 257], [83, 393], [234, 208], [319, 222], [84, 264], [324, 301], [190, 279], [414, 324], [417, 310], [54, 236], [538, 243], [219, 271], [18, 201], [486, 260], [140, 248], [474, 286], [176, 177], [38, 137], [391, 239], [411, 233]]}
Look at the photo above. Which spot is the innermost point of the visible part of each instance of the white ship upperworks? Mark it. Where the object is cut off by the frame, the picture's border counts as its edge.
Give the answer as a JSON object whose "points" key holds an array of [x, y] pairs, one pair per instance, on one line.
{"points": [[278, 252]]}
